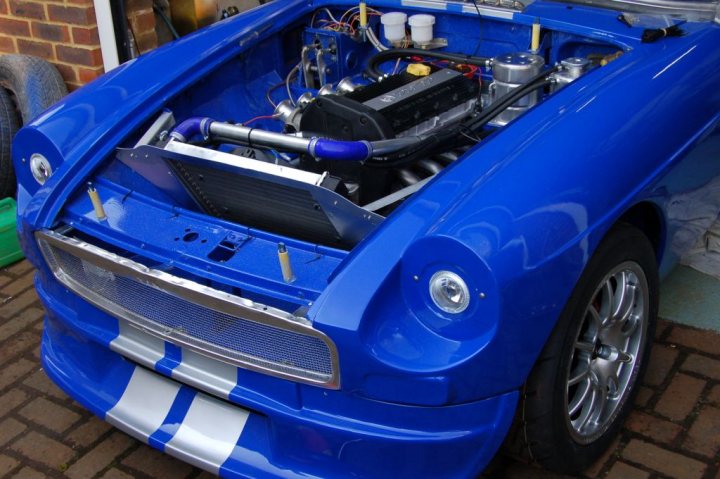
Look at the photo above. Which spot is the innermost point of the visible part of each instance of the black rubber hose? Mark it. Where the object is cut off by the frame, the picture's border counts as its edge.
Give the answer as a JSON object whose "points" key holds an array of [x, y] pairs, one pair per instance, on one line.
{"points": [[500, 105], [443, 136], [381, 57], [536, 82]]}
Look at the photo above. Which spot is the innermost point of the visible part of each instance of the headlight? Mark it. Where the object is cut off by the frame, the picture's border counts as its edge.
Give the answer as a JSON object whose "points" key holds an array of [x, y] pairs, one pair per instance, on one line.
{"points": [[449, 292], [40, 168]]}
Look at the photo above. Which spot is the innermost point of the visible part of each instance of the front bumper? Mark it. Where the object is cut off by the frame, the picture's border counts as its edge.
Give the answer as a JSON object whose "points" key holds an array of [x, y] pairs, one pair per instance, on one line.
{"points": [[267, 427]]}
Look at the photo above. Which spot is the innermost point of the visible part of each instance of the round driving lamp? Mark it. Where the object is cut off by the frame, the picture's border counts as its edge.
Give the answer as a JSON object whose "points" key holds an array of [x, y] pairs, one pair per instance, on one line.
{"points": [[40, 168], [449, 292]]}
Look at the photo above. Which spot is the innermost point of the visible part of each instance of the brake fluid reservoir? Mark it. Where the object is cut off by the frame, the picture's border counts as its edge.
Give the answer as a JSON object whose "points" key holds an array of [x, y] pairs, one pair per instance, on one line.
{"points": [[421, 29], [394, 26], [510, 71]]}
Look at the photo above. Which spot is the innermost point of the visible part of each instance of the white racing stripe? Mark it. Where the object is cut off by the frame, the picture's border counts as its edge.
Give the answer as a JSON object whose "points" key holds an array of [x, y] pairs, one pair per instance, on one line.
{"points": [[208, 433], [206, 373], [144, 405]]}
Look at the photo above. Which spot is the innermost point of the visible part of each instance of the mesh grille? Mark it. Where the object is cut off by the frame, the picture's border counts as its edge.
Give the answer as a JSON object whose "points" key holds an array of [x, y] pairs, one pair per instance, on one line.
{"points": [[234, 339]]}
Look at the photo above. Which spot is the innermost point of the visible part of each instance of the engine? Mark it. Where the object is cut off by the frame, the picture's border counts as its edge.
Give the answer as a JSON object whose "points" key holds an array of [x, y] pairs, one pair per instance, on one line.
{"points": [[357, 126]]}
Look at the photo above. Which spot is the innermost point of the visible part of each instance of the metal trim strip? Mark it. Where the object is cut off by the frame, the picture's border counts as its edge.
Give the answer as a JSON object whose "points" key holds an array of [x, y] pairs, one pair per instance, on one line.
{"points": [[188, 290]]}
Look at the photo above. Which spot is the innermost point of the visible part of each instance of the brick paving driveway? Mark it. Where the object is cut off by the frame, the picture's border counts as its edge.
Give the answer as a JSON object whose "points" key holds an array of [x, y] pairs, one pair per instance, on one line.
{"points": [[674, 430]]}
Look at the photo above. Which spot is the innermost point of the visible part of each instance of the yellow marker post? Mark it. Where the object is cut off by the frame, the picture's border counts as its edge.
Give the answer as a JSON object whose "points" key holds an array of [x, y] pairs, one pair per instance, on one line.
{"points": [[535, 42], [363, 15], [284, 258], [96, 202]]}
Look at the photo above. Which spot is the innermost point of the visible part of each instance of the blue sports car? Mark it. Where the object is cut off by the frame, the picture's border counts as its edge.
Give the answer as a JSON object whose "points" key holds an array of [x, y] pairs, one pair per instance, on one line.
{"points": [[328, 239]]}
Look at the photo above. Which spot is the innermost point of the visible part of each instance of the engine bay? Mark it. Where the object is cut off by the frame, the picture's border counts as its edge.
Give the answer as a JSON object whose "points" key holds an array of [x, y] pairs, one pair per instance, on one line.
{"points": [[321, 132]]}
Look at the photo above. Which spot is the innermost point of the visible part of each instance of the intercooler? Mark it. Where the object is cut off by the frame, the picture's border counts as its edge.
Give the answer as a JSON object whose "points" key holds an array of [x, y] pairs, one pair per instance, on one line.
{"points": [[213, 323]]}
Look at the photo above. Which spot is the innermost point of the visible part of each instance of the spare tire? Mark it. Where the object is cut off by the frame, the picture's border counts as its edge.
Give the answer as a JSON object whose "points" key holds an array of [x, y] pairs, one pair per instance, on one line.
{"points": [[9, 125], [35, 83]]}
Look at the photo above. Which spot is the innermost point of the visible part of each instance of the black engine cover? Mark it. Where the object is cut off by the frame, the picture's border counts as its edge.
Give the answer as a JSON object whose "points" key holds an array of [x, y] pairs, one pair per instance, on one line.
{"points": [[384, 109]]}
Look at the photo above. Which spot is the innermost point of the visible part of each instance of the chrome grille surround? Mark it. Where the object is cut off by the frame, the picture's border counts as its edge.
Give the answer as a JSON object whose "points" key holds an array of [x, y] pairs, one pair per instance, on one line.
{"points": [[211, 322]]}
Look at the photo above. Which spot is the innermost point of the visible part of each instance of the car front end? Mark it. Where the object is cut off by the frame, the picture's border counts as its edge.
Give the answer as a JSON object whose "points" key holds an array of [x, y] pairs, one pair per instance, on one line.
{"points": [[275, 300]]}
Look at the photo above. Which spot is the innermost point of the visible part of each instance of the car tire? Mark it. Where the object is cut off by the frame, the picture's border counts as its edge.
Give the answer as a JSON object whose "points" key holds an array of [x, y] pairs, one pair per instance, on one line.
{"points": [[35, 84], [583, 386], [9, 125]]}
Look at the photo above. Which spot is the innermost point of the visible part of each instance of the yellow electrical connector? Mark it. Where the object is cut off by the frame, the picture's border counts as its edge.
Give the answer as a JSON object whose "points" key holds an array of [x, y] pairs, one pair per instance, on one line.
{"points": [[418, 69]]}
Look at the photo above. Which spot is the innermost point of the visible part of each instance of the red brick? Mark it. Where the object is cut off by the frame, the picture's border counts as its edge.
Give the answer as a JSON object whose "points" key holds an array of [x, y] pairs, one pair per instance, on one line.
{"points": [[22, 283], [644, 395], [72, 15], [12, 326], [7, 464], [40, 382], [86, 75], [50, 32], [11, 308], [10, 429], [659, 430], [79, 56], [146, 42], [67, 72], [20, 8], [594, 470], [19, 268], [680, 397], [18, 345], [662, 360], [88, 432], [116, 474], [15, 28], [620, 470], [137, 5], [7, 45], [101, 456], [12, 399], [85, 36], [13, 371], [50, 415], [3, 7], [156, 464], [704, 435], [28, 472], [706, 341], [38, 49], [702, 365], [44, 450], [142, 21], [667, 462], [714, 396]]}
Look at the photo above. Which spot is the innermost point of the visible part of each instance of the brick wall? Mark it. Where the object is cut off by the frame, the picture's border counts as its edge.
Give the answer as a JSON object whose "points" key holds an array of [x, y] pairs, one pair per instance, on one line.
{"points": [[65, 33], [142, 23]]}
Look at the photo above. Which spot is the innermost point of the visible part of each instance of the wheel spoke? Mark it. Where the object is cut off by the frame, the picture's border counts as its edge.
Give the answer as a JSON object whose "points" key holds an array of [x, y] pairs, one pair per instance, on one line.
{"points": [[630, 326], [581, 396], [608, 301], [625, 300], [577, 377]]}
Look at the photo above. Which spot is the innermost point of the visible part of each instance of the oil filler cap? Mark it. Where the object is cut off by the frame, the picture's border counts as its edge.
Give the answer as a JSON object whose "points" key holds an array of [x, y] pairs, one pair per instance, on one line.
{"points": [[418, 69]]}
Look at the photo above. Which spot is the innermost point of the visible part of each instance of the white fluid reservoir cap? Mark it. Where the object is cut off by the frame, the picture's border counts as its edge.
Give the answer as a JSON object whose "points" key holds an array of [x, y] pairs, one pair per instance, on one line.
{"points": [[422, 28], [394, 26]]}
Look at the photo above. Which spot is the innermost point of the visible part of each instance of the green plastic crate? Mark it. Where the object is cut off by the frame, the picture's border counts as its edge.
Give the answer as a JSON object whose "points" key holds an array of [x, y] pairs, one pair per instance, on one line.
{"points": [[10, 251]]}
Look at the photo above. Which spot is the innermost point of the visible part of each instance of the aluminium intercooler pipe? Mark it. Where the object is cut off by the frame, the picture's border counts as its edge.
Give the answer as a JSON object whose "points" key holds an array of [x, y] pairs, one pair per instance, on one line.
{"points": [[319, 148]]}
